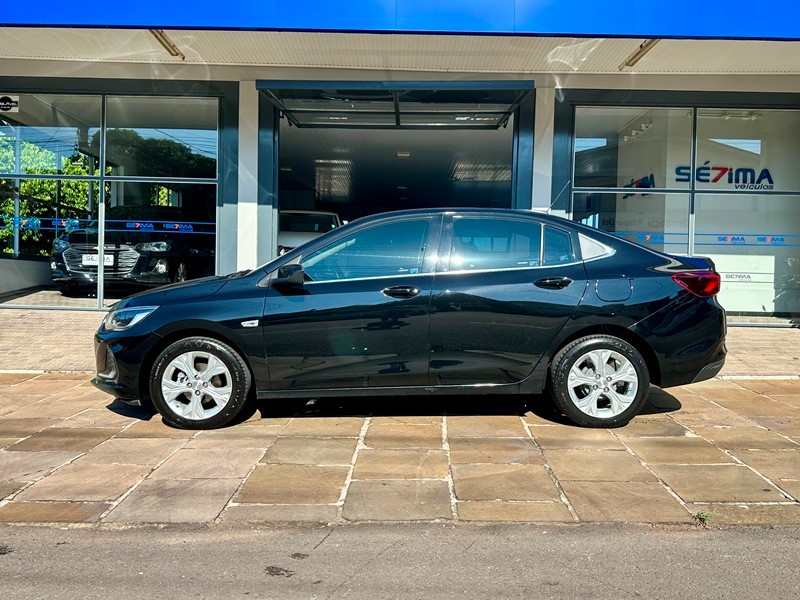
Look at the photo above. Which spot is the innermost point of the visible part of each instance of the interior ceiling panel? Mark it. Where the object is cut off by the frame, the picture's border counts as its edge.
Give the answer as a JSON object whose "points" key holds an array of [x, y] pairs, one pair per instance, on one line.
{"points": [[358, 171], [480, 54]]}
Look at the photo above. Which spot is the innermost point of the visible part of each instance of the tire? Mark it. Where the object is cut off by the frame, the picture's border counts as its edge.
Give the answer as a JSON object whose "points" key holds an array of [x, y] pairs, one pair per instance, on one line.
{"points": [[610, 398], [207, 402]]}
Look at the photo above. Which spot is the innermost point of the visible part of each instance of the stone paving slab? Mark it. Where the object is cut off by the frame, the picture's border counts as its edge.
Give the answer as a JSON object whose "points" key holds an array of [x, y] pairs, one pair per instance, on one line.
{"points": [[725, 447], [52, 512], [411, 500]]}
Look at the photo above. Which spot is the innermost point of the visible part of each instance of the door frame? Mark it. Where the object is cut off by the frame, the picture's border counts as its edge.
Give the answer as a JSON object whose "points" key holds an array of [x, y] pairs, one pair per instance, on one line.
{"points": [[269, 140]]}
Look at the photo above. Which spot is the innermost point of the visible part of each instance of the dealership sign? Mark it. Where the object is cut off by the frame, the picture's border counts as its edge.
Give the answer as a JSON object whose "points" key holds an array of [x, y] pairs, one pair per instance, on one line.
{"points": [[768, 19], [742, 178]]}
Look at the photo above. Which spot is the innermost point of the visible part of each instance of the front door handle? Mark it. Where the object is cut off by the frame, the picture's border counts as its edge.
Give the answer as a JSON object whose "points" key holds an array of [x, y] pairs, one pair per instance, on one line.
{"points": [[553, 283], [401, 291]]}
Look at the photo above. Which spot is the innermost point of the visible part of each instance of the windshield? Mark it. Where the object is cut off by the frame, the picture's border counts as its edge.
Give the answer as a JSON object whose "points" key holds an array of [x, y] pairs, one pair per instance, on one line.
{"points": [[308, 222]]}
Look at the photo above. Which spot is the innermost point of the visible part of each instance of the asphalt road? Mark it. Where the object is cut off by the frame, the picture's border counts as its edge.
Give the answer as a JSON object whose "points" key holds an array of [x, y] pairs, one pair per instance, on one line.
{"points": [[400, 561]]}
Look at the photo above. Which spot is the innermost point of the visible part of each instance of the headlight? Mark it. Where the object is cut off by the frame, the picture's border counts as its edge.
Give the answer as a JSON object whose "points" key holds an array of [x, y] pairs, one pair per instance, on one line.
{"points": [[154, 247], [125, 318], [59, 245]]}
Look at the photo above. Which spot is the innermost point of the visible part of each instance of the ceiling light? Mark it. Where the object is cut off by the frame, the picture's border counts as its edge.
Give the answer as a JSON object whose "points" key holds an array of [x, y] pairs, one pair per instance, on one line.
{"points": [[167, 43], [401, 187], [639, 53], [286, 169], [404, 154]]}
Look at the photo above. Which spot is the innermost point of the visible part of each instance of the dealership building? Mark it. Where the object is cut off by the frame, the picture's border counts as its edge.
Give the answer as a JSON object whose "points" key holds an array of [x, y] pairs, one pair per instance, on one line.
{"points": [[161, 143]]}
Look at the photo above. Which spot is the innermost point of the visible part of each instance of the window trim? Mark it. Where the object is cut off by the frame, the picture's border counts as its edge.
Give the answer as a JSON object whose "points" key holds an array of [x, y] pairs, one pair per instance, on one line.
{"points": [[446, 243]]}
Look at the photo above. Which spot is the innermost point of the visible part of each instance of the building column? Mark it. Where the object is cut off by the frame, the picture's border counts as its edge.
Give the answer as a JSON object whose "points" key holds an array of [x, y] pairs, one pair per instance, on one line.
{"points": [[543, 150], [247, 202]]}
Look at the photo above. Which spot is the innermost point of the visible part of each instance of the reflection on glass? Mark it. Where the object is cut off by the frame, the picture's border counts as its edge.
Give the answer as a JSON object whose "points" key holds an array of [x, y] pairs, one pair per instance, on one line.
{"points": [[158, 233], [747, 150], [51, 135], [658, 221], [632, 147], [755, 244], [38, 217], [162, 137]]}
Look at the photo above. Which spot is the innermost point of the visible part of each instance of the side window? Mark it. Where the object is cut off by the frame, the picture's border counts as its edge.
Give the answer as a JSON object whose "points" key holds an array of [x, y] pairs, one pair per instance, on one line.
{"points": [[381, 251], [492, 243], [557, 247]]}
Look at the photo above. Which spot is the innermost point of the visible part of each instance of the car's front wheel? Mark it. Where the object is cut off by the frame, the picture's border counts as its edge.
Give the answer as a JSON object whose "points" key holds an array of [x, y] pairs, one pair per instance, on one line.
{"points": [[599, 381], [199, 383]]}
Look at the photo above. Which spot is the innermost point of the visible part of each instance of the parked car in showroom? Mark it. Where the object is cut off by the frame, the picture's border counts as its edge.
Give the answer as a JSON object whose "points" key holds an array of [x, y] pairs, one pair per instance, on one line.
{"points": [[144, 246], [425, 302], [296, 227]]}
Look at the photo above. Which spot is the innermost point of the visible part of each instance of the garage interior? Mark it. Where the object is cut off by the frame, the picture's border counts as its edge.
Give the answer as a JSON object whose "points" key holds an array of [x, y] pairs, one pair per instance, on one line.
{"points": [[364, 151]]}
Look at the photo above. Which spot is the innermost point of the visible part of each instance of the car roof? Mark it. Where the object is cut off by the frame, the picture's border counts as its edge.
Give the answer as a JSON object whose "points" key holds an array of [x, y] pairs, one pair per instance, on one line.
{"points": [[466, 211]]}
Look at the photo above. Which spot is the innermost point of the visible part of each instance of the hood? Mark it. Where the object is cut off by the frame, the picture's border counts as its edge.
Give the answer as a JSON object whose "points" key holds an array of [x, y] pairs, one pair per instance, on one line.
{"points": [[176, 292]]}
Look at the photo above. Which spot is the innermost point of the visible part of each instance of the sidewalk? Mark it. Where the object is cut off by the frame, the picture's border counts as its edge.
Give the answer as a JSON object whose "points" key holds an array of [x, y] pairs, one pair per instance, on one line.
{"points": [[728, 449]]}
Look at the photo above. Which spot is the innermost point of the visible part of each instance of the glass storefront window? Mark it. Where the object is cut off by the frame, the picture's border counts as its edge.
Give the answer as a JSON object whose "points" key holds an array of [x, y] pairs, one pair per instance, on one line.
{"points": [[162, 137], [755, 243], [658, 221], [631, 147], [51, 135], [50, 196], [742, 202], [748, 150], [48, 242], [158, 233]]}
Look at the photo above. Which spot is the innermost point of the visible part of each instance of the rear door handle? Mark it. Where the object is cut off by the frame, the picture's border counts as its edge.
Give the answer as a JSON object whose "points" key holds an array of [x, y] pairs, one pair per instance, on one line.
{"points": [[553, 283], [401, 291]]}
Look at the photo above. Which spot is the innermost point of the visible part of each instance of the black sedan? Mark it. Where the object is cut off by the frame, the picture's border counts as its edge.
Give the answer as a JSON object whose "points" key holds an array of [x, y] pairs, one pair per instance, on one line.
{"points": [[425, 302]]}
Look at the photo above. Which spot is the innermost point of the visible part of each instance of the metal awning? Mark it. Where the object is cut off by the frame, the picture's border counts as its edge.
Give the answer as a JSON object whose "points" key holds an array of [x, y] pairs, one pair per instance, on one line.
{"points": [[397, 105]]}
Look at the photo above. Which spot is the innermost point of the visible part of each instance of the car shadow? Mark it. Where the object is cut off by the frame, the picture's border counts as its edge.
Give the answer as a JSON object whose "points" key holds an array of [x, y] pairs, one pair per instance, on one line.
{"points": [[539, 406]]}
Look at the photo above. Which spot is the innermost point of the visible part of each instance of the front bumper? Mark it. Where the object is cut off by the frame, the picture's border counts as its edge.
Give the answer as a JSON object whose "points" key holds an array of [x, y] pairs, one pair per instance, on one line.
{"points": [[142, 269], [119, 362]]}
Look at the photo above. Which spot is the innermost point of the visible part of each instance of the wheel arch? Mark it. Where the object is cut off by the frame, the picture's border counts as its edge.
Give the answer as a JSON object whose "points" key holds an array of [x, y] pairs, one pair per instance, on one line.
{"points": [[623, 333], [179, 334]]}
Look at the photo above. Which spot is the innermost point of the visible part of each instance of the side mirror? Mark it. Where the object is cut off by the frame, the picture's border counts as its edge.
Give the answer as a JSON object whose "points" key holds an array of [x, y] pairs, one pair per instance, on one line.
{"points": [[290, 275]]}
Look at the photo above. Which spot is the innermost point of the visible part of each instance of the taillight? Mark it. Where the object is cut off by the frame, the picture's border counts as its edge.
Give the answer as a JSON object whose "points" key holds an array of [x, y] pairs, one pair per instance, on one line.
{"points": [[704, 284]]}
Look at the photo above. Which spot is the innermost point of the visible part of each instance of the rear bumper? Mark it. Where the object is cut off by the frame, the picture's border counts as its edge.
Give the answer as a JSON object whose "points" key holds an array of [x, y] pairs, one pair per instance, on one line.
{"points": [[709, 371], [688, 340]]}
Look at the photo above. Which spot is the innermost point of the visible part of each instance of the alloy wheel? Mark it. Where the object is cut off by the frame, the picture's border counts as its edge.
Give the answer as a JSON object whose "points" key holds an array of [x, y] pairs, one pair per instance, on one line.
{"points": [[602, 383], [196, 385]]}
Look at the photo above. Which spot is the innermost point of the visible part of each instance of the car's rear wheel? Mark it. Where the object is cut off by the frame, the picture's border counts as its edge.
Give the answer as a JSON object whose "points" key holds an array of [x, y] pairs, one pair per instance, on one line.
{"points": [[599, 381], [199, 383]]}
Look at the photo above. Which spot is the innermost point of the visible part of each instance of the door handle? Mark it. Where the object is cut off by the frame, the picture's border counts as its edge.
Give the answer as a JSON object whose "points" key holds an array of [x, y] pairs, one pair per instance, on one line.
{"points": [[401, 291], [553, 283]]}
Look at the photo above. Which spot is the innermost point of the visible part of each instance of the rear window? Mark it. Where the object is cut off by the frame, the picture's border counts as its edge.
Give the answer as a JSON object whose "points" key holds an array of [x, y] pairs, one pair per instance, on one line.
{"points": [[307, 223]]}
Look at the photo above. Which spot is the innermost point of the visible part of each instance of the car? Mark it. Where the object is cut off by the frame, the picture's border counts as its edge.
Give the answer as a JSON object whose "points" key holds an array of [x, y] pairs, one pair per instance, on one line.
{"points": [[436, 301], [145, 246], [296, 227]]}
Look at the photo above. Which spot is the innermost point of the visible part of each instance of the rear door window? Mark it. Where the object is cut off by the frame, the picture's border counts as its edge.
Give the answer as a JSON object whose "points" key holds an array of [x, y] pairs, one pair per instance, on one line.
{"points": [[557, 247], [495, 243]]}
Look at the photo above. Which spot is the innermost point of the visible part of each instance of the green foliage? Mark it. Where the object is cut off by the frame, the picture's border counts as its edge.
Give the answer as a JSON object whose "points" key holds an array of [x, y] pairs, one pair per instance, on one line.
{"points": [[702, 517], [46, 199]]}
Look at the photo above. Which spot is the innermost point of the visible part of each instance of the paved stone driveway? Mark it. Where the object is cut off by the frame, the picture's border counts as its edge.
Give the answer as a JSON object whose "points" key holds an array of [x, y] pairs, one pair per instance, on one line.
{"points": [[727, 448]]}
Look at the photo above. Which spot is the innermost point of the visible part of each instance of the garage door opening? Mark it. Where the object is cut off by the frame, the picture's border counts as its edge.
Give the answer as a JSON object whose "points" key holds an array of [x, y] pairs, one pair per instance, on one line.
{"points": [[356, 152]]}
